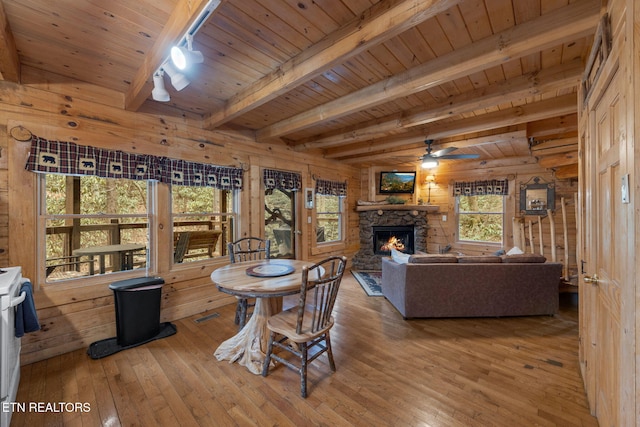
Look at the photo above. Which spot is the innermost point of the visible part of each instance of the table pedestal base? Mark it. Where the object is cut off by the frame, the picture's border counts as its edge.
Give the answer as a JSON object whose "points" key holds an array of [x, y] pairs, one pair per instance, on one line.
{"points": [[248, 347]]}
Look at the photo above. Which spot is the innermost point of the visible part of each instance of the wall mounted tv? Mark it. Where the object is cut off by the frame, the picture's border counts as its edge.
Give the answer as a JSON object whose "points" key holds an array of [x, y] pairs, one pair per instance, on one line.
{"points": [[397, 182]]}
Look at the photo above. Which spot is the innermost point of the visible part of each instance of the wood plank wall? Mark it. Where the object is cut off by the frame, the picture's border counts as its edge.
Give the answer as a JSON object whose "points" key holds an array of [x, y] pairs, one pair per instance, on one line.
{"points": [[74, 315], [442, 233]]}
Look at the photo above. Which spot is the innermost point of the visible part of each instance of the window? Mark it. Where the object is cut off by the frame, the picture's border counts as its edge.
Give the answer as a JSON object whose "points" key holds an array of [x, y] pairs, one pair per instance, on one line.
{"points": [[480, 218], [202, 222], [93, 225], [329, 218]]}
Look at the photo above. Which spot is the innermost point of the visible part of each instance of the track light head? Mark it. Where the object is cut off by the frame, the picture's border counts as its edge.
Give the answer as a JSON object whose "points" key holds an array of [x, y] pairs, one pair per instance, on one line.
{"points": [[159, 93], [178, 80], [183, 57]]}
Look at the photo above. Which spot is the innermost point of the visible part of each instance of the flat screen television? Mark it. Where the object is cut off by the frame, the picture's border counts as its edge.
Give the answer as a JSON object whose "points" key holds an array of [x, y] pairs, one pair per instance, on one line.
{"points": [[397, 182]]}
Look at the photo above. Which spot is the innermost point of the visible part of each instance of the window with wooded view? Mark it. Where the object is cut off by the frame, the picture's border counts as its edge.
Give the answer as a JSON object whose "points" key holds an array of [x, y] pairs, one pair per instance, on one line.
{"points": [[480, 218], [92, 225], [328, 218]]}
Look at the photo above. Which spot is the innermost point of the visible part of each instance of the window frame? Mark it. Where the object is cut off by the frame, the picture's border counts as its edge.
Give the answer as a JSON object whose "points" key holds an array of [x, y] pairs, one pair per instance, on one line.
{"points": [[232, 230], [480, 242], [341, 220], [42, 217]]}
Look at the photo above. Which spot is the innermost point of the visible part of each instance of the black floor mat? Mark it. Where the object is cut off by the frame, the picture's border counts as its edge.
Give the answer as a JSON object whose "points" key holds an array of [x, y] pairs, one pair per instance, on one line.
{"points": [[109, 346]]}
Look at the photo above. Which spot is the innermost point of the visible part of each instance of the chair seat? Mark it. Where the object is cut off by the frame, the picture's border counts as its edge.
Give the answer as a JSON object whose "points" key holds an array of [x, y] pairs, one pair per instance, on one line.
{"points": [[284, 323]]}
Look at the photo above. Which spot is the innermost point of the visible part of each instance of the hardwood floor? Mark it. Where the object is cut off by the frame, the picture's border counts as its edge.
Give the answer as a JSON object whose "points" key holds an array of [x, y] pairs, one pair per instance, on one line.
{"points": [[442, 372]]}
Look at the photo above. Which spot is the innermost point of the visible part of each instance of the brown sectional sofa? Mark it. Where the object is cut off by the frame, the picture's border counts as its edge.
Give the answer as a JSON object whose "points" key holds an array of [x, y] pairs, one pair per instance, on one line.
{"points": [[492, 286]]}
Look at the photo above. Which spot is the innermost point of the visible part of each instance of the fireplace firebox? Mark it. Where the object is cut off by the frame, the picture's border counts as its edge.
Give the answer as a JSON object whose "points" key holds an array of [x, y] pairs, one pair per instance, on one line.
{"points": [[399, 237]]}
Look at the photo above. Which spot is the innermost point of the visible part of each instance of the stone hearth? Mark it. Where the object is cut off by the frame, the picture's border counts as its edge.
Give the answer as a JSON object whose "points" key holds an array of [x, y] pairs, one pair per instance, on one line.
{"points": [[366, 258]]}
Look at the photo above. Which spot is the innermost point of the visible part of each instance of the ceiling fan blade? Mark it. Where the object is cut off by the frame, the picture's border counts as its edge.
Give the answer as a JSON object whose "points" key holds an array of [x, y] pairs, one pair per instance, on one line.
{"points": [[460, 156], [444, 151]]}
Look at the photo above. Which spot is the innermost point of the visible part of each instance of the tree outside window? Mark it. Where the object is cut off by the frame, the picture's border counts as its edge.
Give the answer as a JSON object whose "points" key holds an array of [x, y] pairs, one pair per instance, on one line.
{"points": [[78, 213], [480, 218]]}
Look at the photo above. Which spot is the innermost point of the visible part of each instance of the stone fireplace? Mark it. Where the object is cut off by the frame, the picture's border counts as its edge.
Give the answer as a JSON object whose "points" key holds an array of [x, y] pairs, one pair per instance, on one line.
{"points": [[410, 221]]}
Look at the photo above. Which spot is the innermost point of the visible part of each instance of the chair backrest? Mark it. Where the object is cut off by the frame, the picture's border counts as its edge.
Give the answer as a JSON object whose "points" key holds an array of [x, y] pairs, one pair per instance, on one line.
{"points": [[249, 249], [320, 284]]}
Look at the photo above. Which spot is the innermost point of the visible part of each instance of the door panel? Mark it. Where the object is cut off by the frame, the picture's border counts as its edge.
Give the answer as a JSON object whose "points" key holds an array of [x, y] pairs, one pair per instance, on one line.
{"points": [[606, 237]]}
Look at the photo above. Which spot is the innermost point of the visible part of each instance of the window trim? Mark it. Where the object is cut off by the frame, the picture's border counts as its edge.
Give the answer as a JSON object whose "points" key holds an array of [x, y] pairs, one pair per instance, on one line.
{"points": [[480, 242], [42, 217]]}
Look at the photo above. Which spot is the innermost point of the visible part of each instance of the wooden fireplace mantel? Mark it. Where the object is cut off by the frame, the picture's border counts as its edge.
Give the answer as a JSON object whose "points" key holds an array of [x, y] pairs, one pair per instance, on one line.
{"points": [[390, 207]]}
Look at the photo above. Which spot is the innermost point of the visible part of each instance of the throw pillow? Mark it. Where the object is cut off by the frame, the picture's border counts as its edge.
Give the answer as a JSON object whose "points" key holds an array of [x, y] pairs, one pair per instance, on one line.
{"points": [[515, 251], [399, 257]]}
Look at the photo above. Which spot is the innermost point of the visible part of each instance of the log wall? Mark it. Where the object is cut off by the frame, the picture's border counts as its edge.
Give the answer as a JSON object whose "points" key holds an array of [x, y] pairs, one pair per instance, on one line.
{"points": [[73, 315]]}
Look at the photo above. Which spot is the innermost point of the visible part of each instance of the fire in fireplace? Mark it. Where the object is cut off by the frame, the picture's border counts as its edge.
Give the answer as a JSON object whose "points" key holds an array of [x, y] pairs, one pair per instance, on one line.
{"points": [[399, 237]]}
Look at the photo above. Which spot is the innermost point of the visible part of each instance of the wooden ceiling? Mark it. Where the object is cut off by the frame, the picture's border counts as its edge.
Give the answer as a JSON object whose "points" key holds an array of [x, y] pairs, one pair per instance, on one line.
{"points": [[359, 81]]}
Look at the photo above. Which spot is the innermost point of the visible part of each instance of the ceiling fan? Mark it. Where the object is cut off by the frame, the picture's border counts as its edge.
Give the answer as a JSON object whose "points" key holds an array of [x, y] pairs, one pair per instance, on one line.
{"points": [[430, 160]]}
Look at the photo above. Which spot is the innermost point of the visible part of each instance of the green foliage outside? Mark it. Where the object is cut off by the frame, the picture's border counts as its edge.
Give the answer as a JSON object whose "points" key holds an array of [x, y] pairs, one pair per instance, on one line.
{"points": [[98, 196], [480, 218], [328, 214]]}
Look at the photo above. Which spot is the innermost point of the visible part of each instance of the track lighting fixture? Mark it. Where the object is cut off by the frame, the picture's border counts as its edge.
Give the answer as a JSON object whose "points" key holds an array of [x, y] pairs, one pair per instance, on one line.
{"points": [[184, 56], [181, 57], [178, 80], [159, 93]]}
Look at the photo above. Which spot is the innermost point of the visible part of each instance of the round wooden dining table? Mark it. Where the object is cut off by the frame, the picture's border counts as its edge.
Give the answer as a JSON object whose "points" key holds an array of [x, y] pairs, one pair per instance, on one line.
{"points": [[267, 281]]}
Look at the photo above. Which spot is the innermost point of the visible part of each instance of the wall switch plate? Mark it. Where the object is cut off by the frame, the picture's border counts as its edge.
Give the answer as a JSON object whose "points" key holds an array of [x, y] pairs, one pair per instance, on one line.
{"points": [[444, 218], [308, 220]]}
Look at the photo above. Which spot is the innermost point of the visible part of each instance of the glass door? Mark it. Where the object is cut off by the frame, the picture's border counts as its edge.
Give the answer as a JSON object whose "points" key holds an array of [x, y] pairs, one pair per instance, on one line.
{"points": [[279, 222]]}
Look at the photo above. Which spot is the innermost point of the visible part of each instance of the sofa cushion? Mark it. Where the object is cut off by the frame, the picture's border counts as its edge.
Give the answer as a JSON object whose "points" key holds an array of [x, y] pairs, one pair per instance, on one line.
{"points": [[524, 258], [432, 259], [479, 259]]}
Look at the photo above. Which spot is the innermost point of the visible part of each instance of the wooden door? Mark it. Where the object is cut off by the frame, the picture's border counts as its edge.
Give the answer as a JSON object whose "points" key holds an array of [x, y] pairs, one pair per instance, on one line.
{"points": [[602, 307]]}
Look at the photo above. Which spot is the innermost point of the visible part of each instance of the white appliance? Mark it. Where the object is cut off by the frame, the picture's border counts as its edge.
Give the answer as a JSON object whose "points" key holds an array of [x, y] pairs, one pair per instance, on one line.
{"points": [[10, 282]]}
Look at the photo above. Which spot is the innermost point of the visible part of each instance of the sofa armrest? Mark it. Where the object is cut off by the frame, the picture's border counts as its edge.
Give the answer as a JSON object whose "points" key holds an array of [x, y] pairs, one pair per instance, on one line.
{"points": [[393, 283]]}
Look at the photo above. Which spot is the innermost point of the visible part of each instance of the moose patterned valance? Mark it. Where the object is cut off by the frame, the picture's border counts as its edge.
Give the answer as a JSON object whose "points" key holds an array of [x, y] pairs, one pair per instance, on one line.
{"points": [[288, 181], [68, 158], [498, 187], [331, 188]]}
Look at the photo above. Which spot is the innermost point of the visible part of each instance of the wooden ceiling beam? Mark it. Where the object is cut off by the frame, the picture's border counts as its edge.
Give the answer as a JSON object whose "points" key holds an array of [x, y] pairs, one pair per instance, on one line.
{"points": [[181, 18], [544, 32], [378, 24], [556, 78], [567, 172], [9, 60], [566, 104], [556, 160], [555, 146], [419, 150]]}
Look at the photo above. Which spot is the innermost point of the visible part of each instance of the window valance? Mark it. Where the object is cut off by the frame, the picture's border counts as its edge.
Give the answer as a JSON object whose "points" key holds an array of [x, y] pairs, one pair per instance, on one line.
{"points": [[498, 187], [282, 180], [331, 188], [68, 158]]}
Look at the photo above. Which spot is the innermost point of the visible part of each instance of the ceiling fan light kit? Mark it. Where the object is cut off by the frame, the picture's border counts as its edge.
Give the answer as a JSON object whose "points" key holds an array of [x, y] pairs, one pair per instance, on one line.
{"points": [[430, 160], [429, 163]]}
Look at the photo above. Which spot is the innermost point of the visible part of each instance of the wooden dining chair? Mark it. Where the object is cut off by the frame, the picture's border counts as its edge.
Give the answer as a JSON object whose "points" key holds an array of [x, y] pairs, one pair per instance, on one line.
{"points": [[307, 324], [247, 249]]}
